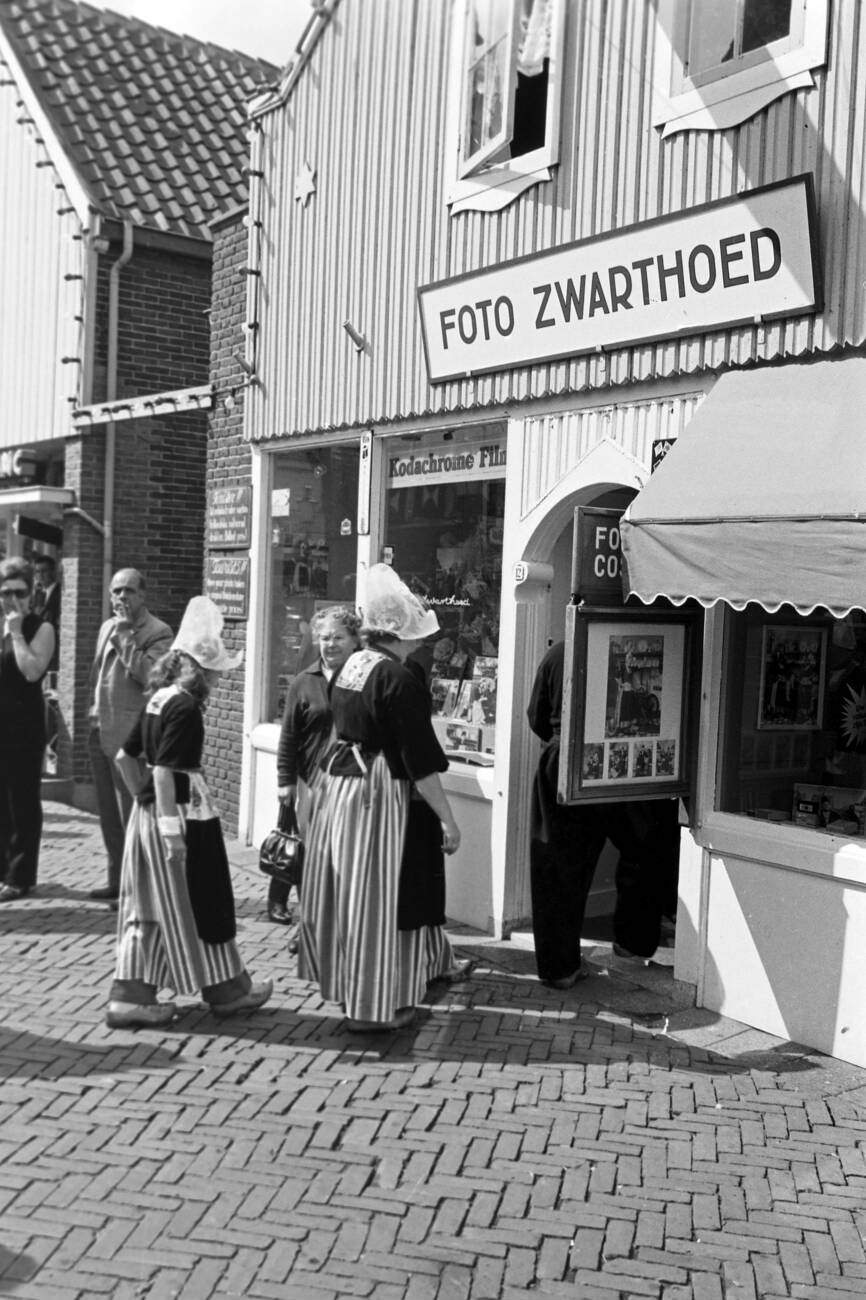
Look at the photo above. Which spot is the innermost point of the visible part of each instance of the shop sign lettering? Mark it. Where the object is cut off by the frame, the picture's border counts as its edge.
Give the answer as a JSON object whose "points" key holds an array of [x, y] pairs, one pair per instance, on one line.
{"points": [[227, 583], [723, 264], [229, 515], [442, 464], [597, 555], [17, 462]]}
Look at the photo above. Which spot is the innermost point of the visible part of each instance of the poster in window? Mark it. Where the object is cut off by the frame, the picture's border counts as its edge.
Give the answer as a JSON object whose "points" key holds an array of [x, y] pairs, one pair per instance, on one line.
{"points": [[628, 708], [793, 664]]}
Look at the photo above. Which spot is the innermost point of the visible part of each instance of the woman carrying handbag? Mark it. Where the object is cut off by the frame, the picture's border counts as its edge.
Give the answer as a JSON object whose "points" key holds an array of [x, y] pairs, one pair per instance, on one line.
{"points": [[304, 737]]}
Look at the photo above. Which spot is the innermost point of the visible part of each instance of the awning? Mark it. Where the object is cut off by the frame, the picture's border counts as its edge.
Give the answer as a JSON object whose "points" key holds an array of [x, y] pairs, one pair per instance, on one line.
{"points": [[762, 498], [36, 495]]}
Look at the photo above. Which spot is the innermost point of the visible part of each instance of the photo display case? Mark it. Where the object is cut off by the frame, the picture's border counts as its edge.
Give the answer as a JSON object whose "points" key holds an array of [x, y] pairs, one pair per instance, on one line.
{"points": [[628, 705]]}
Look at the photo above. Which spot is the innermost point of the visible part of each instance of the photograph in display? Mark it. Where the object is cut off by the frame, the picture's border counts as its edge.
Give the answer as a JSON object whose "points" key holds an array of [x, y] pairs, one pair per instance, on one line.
{"points": [[792, 669], [627, 706], [635, 677], [461, 736]]}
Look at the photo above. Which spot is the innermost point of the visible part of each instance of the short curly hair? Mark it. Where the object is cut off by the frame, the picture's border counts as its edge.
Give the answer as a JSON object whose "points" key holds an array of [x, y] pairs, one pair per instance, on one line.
{"points": [[343, 614]]}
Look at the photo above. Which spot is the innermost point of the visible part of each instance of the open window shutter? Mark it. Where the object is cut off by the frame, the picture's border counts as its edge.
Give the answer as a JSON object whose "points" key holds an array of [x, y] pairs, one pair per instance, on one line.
{"points": [[489, 81]]}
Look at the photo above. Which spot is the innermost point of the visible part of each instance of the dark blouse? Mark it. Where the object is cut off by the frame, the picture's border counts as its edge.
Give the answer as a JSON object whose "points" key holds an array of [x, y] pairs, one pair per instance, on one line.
{"points": [[306, 728], [22, 709], [169, 733], [545, 702], [382, 706]]}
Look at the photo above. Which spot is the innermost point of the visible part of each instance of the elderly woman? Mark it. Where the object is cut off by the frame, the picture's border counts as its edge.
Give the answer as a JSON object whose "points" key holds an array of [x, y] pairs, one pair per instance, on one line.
{"points": [[27, 647], [371, 913], [307, 727], [176, 922]]}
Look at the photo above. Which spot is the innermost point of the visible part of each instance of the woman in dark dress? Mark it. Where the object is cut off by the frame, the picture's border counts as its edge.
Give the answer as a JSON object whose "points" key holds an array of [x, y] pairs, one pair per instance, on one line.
{"points": [[176, 921], [371, 913], [25, 653], [307, 727]]}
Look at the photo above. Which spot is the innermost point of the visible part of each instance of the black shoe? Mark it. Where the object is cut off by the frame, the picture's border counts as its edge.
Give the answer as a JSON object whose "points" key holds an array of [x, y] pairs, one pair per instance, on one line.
{"points": [[106, 895], [279, 914], [11, 893]]}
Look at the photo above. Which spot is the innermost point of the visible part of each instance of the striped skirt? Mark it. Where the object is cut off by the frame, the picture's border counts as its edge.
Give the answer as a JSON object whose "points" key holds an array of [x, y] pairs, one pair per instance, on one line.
{"points": [[157, 937], [349, 942]]}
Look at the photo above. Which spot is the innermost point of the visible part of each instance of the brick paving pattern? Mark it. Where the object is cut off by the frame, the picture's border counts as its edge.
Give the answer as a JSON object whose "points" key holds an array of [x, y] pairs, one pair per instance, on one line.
{"points": [[515, 1142]]}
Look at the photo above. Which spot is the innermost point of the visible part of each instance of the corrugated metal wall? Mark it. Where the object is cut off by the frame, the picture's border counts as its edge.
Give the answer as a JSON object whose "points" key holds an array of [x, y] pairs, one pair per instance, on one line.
{"points": [[556, 444], [369, 116], [40, 245]]}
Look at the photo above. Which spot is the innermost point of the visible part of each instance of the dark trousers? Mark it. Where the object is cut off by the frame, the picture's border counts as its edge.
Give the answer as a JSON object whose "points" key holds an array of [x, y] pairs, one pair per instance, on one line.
{"points": [[563, 866], [114, 803], [20, 815]]}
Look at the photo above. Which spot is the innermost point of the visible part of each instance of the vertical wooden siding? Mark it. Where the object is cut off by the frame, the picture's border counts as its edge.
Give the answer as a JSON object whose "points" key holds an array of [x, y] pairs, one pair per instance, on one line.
{"points": [[40, 245], [369, 115]]}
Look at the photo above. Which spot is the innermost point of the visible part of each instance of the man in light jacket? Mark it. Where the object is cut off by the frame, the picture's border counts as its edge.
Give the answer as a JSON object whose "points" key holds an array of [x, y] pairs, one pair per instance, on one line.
{"points": [[129, 644]]}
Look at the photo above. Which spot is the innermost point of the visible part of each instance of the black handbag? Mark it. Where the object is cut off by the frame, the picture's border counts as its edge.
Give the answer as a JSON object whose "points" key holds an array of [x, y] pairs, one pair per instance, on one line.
{"points": [[282, 853]]}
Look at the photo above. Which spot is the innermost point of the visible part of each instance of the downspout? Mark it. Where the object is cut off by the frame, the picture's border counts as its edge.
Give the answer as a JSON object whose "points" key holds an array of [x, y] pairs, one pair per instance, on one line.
{"points": [[111, 395]]}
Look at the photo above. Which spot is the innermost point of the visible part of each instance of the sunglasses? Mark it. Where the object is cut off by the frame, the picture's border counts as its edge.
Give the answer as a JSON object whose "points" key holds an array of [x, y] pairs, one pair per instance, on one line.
{"points": [[18, 592]]}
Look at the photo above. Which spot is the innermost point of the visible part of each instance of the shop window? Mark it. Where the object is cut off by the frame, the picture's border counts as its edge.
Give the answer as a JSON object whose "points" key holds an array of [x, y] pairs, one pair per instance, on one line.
{"points": [[729, 58], [794, 735], [509, 96], [445, 508], [313, 555]]}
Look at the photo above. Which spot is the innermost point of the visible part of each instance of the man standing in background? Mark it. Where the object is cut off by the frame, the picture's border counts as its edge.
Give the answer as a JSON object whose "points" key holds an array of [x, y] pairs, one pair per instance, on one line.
{"points": [[129, 644], [46, 600]]}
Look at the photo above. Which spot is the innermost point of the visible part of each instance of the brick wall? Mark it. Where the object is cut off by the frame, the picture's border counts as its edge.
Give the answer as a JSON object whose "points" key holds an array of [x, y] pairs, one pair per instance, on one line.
{"points": [[228, 463], [159, 481]]}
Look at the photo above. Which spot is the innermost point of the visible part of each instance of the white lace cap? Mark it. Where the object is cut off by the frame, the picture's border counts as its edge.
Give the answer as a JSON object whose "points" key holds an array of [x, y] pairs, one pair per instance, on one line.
{"points": [[200, 636], [392, 607]]}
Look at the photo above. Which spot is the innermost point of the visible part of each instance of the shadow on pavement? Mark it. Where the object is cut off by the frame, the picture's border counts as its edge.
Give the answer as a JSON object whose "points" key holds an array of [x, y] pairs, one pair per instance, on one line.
{"points": [[26, 1055], [16, 1269]]}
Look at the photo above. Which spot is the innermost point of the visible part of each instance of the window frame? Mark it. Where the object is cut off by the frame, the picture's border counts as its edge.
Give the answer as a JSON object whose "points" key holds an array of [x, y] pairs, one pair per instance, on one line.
{"points": [[481, 182], [730, 93]]}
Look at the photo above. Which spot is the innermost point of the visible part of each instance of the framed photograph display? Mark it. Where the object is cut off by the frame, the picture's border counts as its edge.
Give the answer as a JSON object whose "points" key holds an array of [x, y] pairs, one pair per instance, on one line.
{"points": [[628, 706], [793, 664]]}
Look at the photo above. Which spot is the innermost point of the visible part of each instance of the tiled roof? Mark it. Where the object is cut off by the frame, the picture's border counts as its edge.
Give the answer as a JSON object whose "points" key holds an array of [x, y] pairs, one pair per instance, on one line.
{"points": [[154, 123]]}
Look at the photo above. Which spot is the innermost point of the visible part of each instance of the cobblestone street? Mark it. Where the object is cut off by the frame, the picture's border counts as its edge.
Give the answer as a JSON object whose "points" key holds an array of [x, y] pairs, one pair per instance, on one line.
{"points": [[515, 1141]]}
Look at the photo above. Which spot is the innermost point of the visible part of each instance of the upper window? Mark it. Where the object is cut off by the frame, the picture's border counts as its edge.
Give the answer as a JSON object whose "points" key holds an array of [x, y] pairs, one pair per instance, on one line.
{"points": [[723, 36], [510, 83], [722, 61]]}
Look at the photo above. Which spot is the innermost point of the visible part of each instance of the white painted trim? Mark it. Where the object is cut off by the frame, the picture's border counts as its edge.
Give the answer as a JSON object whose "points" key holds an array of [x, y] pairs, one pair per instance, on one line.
{"points": [[52, 141], [257, 647], [139, 408], [36, 496]]}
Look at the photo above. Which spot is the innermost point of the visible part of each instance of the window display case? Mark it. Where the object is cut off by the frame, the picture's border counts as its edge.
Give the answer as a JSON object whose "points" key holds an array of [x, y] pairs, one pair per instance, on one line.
{"points": [[794, 739], [444, 518], [313, 554]]}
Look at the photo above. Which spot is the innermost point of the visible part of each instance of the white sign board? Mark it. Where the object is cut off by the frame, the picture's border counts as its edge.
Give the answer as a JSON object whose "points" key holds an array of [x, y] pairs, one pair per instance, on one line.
{"points": [[723, 264], [447, 463]]}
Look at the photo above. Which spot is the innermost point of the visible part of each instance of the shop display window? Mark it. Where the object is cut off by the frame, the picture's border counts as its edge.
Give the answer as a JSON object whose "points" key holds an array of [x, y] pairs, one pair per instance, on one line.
{"points": [[794, 734], [444, 517], [313, 555]]}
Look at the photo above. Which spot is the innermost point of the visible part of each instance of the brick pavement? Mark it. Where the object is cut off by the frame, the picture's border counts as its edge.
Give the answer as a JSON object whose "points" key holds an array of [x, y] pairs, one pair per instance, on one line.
{"points": [[599, 1143]]}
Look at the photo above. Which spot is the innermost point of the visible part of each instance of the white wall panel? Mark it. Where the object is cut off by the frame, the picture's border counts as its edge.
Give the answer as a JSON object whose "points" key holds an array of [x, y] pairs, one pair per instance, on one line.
{"points": [[40, 247]]}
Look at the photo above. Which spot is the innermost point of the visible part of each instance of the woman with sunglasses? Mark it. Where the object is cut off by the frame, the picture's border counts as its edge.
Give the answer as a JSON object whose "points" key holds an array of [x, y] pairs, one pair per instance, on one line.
{"points": [[25, 653]]}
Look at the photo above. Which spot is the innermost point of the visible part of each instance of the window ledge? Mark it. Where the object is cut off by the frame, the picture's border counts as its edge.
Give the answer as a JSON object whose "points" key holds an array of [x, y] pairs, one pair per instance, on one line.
{"points": [[495, 189], [461, 778], [782, 844], [699, 111]]}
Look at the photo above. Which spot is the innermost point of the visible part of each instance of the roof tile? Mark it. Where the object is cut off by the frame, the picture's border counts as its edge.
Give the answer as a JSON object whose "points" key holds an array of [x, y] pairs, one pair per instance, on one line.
{"points": [[145, 115]]}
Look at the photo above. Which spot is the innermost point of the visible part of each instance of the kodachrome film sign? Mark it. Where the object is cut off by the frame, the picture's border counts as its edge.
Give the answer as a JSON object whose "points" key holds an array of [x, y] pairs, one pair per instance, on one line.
{"points": [[732, 262]]}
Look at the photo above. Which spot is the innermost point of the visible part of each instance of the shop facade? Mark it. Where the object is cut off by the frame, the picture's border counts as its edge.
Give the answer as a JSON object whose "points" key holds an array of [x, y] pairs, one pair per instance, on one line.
{"points": [[456, 333]]}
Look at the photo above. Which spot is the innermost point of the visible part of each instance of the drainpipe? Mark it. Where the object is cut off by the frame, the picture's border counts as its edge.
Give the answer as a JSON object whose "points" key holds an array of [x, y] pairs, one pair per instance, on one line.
{"points": [[110, 396]]}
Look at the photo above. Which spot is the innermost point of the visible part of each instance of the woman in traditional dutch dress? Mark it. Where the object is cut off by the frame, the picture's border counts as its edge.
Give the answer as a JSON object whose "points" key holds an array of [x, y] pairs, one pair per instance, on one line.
{"points": [[176, 920], [373, 896]]}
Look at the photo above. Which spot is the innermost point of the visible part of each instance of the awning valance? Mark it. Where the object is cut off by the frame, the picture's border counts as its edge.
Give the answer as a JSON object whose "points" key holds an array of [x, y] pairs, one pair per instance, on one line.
{"points": [[762, 498]]}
